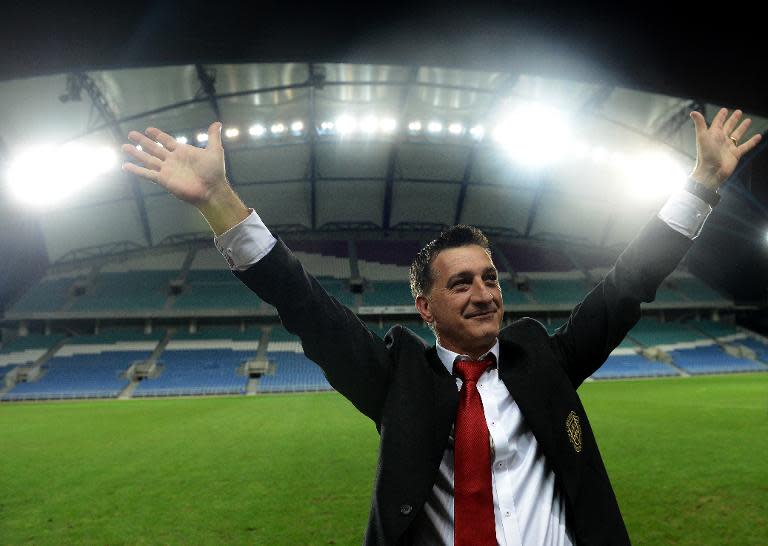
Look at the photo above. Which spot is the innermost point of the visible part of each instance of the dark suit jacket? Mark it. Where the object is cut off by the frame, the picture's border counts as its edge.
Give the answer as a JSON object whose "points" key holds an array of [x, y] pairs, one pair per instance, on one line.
{"points": [[402, 386]]}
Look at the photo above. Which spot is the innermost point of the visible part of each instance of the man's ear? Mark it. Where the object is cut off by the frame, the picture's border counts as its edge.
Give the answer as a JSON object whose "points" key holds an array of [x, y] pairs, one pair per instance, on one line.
{"points": [[422, 306]]}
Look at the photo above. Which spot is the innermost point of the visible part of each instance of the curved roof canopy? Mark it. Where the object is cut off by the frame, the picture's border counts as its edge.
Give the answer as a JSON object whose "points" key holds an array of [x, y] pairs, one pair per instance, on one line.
{"points": [[326, 146]]}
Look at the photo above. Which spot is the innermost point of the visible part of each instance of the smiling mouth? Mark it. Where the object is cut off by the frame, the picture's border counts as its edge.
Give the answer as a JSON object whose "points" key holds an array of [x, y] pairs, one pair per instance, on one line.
{"points": [[482, 314]]}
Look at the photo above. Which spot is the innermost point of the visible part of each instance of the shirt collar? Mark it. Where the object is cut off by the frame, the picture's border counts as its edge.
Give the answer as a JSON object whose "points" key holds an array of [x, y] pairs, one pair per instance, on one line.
{"points": [[449, 357]]}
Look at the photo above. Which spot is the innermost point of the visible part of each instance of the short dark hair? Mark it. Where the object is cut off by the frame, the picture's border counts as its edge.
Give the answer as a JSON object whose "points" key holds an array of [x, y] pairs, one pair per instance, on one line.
{"points": [[420, 274]]}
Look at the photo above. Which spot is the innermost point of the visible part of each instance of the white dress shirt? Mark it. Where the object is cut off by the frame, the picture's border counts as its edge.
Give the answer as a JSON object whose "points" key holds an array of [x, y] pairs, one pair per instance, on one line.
{"points": [[528, 507]]}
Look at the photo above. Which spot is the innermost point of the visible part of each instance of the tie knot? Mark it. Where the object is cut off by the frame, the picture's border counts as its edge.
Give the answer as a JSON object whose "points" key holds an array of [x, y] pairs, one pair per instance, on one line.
{"points": [[471, 370]]}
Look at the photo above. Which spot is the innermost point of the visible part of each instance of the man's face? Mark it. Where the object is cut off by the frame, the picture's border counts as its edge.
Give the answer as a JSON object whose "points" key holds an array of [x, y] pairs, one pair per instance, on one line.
{"points": [[464, 304]]}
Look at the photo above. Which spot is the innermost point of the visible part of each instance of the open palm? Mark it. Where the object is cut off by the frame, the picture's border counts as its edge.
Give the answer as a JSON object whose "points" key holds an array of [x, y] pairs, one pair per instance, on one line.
{"points": [[717, 147], [191, 174]]}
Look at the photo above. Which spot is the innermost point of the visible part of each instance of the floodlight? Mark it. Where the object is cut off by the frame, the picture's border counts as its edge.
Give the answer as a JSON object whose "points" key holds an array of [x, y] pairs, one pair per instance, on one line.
{"points": [[388, 125], [48, 175], [346, 124], [456, 128], [327, 126], [435, 127], [257, 130], [599, 155], [277, 128], [654, 175], [534, 135], [232, 132], [181, 139], [202, 137], [297, 126], [414, 126], [477, 132], [369, 124]]}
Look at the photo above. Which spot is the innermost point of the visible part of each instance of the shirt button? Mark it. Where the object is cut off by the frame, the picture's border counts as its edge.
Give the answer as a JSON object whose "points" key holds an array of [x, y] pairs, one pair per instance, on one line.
{"points": [[507, 514], [500, 465], [406, 509]]}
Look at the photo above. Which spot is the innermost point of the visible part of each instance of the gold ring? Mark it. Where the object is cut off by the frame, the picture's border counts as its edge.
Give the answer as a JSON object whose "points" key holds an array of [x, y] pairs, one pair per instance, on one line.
{"points": [[735, 142]]}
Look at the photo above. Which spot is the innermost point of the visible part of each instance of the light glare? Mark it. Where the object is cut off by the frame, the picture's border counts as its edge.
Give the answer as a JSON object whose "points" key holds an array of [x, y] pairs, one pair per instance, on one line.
{"points": [[435, 127], [48, 175], [346, 125], [455, 128], [181, 139], [257, 130], [654, 175], [534, 135], [202, 137], [277, 128], [414, 126], [388, 125], [297, 126], [232, 132], [369, 125], [477, 132]]}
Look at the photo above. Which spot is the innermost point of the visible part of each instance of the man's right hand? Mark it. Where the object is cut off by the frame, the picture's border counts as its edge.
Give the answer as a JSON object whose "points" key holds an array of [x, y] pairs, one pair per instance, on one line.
{"points": [[192, 174]]}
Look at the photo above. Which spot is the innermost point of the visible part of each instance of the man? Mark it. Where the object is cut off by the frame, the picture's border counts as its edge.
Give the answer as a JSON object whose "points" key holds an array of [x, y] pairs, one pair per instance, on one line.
{"points": [[483, 437]]}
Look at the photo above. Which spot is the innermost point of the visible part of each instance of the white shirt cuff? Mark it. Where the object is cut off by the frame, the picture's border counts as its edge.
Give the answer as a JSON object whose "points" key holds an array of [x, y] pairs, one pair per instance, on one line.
{"points": [[685, 213], [246, 243]]}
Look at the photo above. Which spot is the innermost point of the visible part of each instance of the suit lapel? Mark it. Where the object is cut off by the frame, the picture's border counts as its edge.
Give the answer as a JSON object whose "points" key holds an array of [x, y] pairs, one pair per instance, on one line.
{"points": [[446, 399], [529, 391]]}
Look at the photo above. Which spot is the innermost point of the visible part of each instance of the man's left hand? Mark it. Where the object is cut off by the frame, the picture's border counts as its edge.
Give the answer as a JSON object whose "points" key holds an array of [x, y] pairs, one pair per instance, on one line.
{"points": [[718, 147]]}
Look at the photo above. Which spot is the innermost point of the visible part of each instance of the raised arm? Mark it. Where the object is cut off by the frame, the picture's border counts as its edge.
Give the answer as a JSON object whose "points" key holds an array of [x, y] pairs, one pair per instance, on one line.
{"points": [[599, 323], [192, 174]]}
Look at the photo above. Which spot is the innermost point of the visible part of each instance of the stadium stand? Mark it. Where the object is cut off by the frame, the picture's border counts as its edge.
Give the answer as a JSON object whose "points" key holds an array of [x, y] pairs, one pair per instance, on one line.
{"points": [[214, 289], [207, 362], [26, 349], [622, 365], [290, 369], [558, 291], [130, 291], [45, 296], [94, 374], [530, 258], [712, 359]]}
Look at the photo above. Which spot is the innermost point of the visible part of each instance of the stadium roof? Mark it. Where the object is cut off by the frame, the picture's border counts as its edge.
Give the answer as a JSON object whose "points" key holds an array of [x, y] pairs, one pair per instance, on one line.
{"points": [[98, 76]]}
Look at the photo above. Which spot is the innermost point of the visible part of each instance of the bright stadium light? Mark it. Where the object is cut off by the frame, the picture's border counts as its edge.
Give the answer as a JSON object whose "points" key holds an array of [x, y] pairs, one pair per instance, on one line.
{"points": [[477, 132], [435, 127], [599, 155], [346, 124], [456, 128], [277, 129], [202, 137], [297, 126], [327, 126], [369, 124], [388, 125], [49, 175], [522, 133], [414, 126], [181, 139], [654, 175], [257, 130], [232, 132]]}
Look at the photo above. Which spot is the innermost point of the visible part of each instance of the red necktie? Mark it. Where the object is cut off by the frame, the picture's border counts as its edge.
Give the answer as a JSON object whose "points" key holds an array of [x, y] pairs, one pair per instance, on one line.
{"points": [[474, 522]]}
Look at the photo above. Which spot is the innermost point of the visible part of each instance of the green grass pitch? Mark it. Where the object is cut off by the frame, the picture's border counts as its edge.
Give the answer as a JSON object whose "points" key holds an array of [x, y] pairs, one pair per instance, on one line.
{"points": [[687, 457]]}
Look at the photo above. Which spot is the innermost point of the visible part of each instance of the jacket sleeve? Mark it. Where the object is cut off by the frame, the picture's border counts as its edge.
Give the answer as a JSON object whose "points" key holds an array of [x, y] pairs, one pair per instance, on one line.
{"points": [[604, 317], [355, 361]]}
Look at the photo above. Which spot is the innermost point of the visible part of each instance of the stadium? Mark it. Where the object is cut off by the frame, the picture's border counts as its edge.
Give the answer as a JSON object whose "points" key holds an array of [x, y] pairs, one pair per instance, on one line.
{"points": [[148, 397]]}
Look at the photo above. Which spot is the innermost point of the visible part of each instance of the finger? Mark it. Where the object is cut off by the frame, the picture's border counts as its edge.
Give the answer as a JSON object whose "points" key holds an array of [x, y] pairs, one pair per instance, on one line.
{"points": [[214, 135], [163, 138], [699, 122], [152, 176], [749, 145], [741, 130], [148, 145], [719, 118], [730, 125], [143, 157]]}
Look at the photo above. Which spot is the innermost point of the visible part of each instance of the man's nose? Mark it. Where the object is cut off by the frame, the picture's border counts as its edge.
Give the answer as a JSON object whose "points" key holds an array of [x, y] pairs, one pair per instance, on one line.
{"points": [[481, 291]]}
